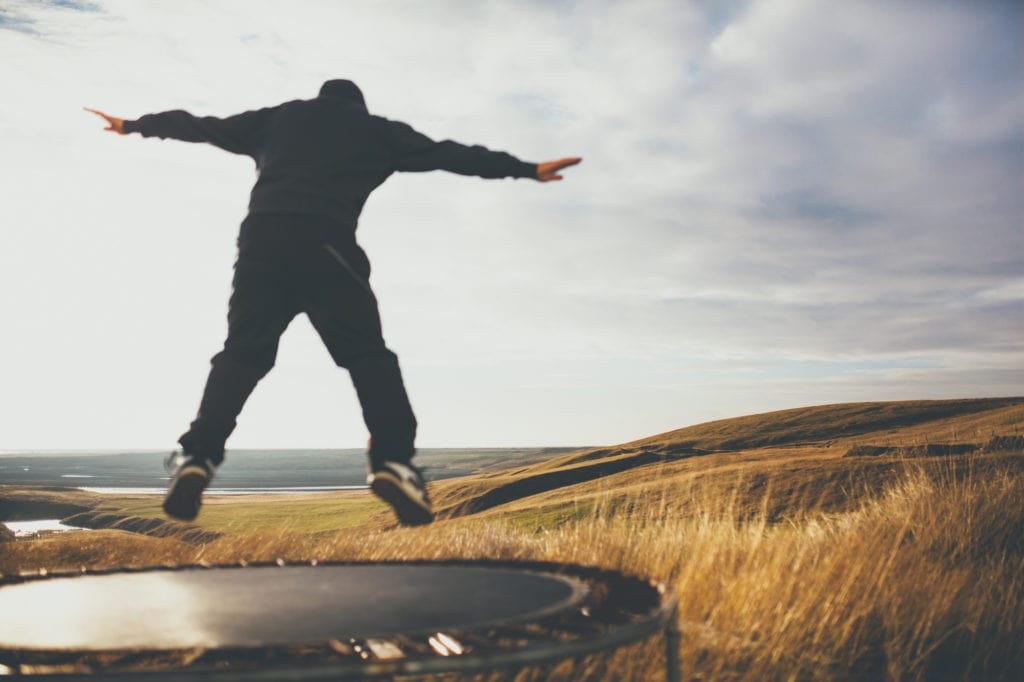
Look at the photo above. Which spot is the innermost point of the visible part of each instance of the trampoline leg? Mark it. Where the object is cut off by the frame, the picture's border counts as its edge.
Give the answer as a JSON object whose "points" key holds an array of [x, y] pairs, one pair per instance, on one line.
{"points": [[672, 650]]}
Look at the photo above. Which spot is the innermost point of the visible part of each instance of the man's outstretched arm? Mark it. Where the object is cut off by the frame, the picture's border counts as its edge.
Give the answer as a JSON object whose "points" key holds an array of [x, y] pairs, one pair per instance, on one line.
{"points": [[415, 152], [238, 134]]}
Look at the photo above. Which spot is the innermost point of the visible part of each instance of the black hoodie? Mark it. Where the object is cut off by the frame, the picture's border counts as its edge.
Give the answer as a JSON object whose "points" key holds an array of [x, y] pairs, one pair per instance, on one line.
{"points": [[324, 156]]}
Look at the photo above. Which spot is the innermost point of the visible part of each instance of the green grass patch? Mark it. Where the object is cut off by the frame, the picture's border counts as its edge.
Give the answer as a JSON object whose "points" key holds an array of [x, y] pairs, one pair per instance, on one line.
{"points": [[540, 519]]}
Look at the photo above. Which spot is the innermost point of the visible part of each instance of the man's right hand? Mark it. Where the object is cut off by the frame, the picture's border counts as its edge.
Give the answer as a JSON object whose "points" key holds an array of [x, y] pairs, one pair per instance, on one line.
{"points": [[548, 171], [114, 124]]}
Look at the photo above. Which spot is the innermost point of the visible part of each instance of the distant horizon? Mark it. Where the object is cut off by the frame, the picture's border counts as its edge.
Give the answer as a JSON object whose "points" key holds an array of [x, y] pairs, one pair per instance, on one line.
{"points": [[300, 470], [362, 449]]}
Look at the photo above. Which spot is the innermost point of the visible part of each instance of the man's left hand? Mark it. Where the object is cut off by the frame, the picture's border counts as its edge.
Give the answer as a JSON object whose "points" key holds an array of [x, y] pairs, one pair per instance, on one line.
{"points": [[114, 124]]}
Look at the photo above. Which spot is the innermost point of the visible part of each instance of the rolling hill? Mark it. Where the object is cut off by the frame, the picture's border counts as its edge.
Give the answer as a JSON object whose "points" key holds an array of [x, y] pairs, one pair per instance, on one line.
{"points": [[801, 451]]}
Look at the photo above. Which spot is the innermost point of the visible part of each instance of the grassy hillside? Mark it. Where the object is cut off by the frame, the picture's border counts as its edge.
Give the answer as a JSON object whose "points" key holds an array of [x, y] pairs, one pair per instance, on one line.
{"points": [[797, 451], [791, 559]]}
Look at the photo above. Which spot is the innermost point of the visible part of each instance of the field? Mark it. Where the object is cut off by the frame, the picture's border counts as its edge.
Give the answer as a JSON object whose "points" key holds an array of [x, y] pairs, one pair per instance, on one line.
{"points": [[842, 542]]}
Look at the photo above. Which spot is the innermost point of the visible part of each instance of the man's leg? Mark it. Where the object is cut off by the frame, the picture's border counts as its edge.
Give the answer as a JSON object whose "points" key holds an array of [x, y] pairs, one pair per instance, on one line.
{"points": [[258, 313], [343, 310], [230, 382], [260, 309], [377, 379], [385, 404]]}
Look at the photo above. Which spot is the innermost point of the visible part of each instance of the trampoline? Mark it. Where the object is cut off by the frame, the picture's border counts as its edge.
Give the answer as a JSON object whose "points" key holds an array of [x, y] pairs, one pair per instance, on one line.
{"points": [[323, 620]]}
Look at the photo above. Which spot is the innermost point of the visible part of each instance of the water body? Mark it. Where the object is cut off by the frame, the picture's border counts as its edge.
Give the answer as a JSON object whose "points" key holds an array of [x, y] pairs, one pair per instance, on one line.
{"points": [[246, 471], [24, 529], [214, 490]]}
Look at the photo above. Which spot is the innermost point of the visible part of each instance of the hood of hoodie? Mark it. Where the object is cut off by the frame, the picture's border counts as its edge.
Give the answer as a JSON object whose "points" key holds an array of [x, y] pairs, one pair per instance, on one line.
{"points": [[344, 90]]}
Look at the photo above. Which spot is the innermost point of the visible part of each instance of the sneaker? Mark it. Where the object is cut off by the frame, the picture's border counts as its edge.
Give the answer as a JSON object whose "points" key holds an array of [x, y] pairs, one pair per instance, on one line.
{"points": [[189, 480], [402, 486]]}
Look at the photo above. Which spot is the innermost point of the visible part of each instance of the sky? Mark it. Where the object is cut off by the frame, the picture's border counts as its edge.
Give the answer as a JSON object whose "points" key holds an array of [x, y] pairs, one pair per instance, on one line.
{"points": [[782, 203]]}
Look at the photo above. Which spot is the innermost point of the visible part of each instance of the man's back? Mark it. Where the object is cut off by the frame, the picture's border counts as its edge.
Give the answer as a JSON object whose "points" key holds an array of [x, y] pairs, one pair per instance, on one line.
{"points": [[322, 156]]}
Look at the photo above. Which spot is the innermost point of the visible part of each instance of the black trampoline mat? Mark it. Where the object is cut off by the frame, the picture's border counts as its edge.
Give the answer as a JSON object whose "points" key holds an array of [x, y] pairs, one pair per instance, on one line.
{"points": [[271, 605]]}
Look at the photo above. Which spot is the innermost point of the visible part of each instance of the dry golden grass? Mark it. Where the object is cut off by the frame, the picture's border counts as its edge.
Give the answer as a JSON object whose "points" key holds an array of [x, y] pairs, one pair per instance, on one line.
{"points": [[789, 562], [96, 549]]}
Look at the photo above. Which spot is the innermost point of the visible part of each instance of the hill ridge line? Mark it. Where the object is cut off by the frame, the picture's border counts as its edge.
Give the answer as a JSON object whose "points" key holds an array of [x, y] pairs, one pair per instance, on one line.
{"points": [[819, 427]]}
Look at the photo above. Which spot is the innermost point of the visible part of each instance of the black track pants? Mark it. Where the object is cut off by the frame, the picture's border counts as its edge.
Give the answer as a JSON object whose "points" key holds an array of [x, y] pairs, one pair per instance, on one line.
{"points": [[299, 264]]}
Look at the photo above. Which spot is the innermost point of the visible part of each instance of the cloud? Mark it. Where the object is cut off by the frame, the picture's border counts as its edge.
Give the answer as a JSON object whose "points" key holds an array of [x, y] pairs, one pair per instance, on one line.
{"points": [[37, 18], [10, 21], [782, 202]]}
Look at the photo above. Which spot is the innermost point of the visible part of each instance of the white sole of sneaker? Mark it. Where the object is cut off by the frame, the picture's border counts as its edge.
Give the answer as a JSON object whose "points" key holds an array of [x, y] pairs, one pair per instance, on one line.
{"points": [[185, 495], [409, 510]]}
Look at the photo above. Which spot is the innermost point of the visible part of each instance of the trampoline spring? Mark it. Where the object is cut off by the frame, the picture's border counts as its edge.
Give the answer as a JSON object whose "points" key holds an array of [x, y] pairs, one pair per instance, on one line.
{"points": [[339, 647], [412, 645], [384, 649]]}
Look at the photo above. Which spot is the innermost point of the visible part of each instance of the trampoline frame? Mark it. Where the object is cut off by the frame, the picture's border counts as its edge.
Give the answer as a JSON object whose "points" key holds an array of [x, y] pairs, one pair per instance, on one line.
{"points": [[644, 623]]}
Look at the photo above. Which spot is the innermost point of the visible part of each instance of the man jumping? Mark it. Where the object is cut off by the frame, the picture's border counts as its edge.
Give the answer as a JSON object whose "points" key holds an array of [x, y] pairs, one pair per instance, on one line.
{"points": [[317, 160]]}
